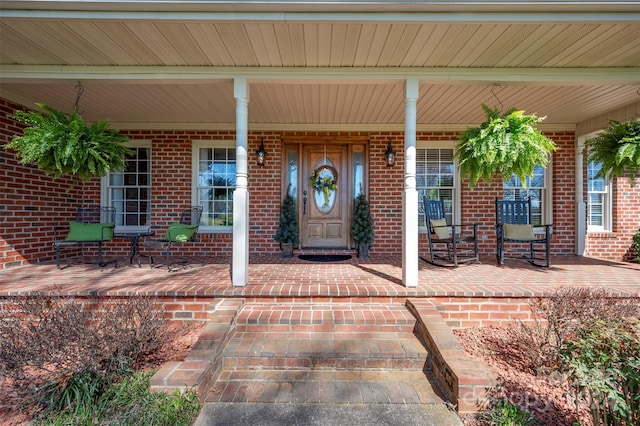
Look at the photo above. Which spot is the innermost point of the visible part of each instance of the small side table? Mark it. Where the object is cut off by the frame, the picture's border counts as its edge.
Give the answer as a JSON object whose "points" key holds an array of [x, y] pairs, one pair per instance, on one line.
{"points": [[134, 236]]}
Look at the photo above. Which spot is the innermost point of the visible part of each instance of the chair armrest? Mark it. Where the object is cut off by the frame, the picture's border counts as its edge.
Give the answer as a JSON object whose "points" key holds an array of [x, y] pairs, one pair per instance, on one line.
{"points": [[467, 225], [462, 226], [465, 230], [547, 229]]}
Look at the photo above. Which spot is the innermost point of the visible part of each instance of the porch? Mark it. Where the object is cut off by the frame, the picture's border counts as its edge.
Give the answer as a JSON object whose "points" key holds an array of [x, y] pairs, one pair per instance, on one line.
{"points": [[348, 328], [375, 279]]}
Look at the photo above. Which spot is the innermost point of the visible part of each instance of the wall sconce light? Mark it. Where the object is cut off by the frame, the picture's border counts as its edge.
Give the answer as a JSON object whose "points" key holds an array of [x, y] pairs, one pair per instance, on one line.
{"points": [[261, 154], [390, 156]]}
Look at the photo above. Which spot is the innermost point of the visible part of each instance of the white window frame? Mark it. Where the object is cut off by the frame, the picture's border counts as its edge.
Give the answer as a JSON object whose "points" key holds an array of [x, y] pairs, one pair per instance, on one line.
{"points": [[105, 196], [196, 146], [457, 208], [607, 206], [547, 197]]}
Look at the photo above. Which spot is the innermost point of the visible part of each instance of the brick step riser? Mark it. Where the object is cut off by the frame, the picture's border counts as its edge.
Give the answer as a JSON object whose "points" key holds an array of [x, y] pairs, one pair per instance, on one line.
{"points": [[338, 363], [329, 328]]}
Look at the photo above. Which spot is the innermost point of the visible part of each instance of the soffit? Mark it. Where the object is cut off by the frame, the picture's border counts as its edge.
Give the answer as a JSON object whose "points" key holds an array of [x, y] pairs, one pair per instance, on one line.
{"points": [[285, 104], [316, 44], [402, 46]]}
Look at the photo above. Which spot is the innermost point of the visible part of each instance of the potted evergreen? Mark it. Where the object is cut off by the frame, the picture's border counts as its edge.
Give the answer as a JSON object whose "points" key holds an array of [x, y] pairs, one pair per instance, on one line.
{"points": [[508, 143], [362, 226], [617, 149], [287, 233]]}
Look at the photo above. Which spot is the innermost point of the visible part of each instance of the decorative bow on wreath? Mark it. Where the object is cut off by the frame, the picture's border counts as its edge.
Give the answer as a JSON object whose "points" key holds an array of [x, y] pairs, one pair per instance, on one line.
{"points": [[324, 182]]}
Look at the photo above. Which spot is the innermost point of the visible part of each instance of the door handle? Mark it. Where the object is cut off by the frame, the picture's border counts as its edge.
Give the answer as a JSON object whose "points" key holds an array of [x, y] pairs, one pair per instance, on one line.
{"points": [[304, 203]]}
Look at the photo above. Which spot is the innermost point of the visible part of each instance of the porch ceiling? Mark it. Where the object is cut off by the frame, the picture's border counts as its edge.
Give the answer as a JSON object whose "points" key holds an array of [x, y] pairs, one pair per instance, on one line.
{"points": [[151, 69]]}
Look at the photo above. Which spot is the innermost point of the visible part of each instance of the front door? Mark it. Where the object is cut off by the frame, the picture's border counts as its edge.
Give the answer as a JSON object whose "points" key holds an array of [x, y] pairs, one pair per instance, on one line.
{"points": [[325, 220]]}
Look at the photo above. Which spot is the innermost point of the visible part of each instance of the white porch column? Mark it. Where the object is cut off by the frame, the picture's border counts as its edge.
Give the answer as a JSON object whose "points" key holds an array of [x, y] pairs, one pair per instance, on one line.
{"points": [[410, 194], [240, 267], [581, 205]]}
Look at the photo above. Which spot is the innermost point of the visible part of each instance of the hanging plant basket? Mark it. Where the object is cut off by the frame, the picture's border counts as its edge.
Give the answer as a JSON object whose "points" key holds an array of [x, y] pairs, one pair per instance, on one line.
{"points": [[617, 149], [506, 143], [62, 144]]}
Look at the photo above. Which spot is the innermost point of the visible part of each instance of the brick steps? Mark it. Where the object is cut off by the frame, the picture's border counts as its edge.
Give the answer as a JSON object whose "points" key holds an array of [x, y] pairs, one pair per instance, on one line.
{"points": [[338, 353], [317, 352], [338, 335], [325, 317], [344, 350], [324, 386]]}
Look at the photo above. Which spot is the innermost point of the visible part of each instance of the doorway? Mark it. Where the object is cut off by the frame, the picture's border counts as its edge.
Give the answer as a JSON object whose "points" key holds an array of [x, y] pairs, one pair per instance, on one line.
{"points": [[325, 176], [325, 196]]}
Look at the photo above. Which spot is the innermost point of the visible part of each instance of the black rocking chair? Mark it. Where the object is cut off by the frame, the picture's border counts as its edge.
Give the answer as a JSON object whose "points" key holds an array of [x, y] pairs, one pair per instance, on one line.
{"points": [[449, 243], [515, 226]]}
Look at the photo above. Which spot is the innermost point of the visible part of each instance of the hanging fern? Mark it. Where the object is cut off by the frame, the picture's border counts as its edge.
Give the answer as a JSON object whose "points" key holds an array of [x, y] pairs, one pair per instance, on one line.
{"points": [[508, 143], [61, 144], [617, 149]]}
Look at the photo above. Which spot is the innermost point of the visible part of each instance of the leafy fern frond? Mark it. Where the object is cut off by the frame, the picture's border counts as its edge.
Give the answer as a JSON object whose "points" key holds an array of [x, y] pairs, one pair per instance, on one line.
{"points": [[62, 144], [617, 149], [507, 144]]}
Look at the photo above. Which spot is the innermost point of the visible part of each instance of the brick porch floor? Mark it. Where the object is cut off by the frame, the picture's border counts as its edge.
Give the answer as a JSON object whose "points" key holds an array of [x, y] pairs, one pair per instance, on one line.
{"points": [[364, 279]]}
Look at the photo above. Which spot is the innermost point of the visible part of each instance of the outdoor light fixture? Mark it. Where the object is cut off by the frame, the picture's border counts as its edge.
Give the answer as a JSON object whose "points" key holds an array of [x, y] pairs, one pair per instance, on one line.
{"points": [[390, 156], [261, 154]]}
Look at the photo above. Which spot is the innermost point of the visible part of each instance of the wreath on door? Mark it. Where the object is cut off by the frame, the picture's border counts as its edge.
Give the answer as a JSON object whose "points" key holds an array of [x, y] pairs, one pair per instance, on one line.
{"points": [[324, 182]]}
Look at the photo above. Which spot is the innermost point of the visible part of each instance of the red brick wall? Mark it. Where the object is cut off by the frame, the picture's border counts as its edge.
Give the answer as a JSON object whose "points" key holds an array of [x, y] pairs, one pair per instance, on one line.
{"points": [[31, 203], [617, 245], [564, 190], [464, 312]]}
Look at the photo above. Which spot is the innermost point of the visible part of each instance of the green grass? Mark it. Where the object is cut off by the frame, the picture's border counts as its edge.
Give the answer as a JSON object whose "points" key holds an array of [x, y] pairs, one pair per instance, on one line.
{"points": [[507, 414], [86, 399]]}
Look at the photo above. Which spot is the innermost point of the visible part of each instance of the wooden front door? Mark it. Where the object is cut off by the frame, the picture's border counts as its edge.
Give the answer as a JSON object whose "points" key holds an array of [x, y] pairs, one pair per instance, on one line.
{"points": [[325, 221]]}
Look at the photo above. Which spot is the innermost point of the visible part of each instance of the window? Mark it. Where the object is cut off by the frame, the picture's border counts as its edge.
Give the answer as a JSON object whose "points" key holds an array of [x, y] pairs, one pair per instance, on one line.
{"points": [[598, 199], [537, 189], [437, 178], [214, 182], [129, 191]]}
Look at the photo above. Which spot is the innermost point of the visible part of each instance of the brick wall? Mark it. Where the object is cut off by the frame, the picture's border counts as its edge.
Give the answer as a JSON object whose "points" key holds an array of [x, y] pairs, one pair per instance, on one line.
{"points": [[617, 245], [465, 312], [31, 203], [173, 308]]}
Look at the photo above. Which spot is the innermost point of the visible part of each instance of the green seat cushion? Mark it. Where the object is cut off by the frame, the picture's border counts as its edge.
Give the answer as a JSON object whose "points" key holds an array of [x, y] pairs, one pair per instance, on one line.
{"points": [[79, 231], [518, 232], [180, 232]]}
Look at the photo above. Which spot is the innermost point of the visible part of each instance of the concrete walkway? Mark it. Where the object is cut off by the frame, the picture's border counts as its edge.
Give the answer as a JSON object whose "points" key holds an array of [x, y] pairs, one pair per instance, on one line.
{"points": [[259, 414]]}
